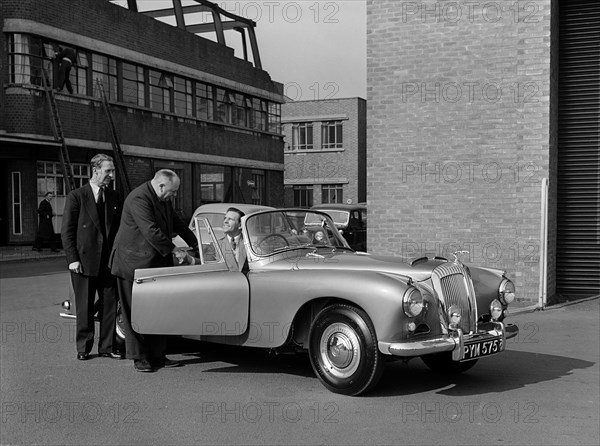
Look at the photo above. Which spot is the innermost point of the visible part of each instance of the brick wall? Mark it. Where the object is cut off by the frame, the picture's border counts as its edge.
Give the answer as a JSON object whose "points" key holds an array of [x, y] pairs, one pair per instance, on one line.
{"points": [[459, 131], [321, 167]]}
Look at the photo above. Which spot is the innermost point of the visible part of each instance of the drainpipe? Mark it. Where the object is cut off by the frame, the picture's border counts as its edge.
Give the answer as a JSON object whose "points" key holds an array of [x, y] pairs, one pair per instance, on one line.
{"points": [[543, 246]]}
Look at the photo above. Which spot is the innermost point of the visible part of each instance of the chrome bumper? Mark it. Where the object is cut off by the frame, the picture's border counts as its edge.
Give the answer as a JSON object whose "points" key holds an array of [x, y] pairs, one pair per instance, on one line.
{"points": [[452, 342]]}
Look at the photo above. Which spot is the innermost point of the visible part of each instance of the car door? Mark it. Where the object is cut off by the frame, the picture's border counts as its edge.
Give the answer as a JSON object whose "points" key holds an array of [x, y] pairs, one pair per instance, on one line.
{"points": [[204, 299]]}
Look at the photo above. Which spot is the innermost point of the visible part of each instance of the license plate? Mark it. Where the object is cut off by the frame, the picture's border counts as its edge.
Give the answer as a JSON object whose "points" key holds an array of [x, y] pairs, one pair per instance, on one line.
{"points": [[482, 348]]}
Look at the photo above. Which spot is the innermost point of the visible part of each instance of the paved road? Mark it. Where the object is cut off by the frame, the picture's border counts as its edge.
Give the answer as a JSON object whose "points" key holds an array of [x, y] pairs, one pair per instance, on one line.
{"points": [[543, 390]]}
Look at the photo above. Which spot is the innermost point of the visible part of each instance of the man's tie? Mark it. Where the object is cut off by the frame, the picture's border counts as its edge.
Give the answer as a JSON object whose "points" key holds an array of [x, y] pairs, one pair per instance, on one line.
{"points": [[101, 209], [234, 248]]}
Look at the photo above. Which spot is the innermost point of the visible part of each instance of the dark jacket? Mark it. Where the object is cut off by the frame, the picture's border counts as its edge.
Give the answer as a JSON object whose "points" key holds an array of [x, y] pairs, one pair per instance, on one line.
{"points": [[68, 53], [81, 231], [45, 228], [145, 233]]}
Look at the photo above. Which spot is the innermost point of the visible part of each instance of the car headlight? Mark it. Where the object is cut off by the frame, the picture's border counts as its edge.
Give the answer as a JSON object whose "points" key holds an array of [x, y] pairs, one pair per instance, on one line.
{"points": [[66, 305], [454, 316], [413, 302], [496, 309], [506, 291]]}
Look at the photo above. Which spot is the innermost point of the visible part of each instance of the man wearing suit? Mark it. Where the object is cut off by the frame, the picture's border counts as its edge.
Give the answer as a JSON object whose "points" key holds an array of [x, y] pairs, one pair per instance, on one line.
{"points": [[144, 241], [90, 222], [232, 244]]}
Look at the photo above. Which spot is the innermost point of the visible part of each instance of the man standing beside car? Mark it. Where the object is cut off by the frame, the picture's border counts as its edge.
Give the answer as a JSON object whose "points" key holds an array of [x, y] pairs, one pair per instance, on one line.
{"points": [[90, 222], [144, 240]]}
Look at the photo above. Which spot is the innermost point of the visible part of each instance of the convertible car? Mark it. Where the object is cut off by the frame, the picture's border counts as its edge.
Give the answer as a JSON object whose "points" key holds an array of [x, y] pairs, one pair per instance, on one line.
{"points": [[307, 289]]}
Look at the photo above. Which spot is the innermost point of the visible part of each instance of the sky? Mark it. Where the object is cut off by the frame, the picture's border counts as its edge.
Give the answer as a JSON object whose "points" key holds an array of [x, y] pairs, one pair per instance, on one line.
{"points": [[316, 49]]}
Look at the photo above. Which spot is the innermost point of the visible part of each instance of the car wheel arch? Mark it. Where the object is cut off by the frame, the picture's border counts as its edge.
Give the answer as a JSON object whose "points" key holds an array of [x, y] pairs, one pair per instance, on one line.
{"points": [[306, 315]]}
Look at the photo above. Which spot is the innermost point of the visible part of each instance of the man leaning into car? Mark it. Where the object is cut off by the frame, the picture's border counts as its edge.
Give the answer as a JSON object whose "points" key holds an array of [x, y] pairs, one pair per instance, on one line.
{"points": [[144, 241]]}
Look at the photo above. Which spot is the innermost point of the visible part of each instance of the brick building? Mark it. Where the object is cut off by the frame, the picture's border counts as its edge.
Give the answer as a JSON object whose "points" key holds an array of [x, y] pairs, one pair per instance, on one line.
{"points": [[472, 107], [178, 101], [325, 151]]}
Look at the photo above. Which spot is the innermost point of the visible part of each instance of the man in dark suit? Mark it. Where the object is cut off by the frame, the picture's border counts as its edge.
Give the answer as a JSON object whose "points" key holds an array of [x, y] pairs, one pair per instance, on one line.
{"points": [[90, 222], [144, 241], [232, 243], [45, 228], [66, 57]]}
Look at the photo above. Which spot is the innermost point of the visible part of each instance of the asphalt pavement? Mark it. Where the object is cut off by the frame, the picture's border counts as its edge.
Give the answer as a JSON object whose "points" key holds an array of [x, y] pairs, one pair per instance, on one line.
{"points": [[544, 389]]}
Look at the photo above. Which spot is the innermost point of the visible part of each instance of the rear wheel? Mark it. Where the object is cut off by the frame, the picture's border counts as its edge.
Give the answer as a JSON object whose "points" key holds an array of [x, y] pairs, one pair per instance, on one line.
{"points": [[442, 363], [343, 350]]}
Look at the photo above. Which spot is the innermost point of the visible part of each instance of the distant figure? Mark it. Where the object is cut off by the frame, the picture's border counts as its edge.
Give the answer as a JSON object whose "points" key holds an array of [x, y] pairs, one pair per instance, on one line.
{"points": [[66, 58], [45, 232]]}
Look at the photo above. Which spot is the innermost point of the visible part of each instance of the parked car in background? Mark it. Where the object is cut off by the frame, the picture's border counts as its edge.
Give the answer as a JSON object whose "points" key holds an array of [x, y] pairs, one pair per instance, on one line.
{"points": [[306, 289], [351, 221]]}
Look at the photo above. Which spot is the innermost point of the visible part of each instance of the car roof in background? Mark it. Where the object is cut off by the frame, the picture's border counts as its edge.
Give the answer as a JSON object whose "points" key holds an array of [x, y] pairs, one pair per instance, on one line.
{"points": [[221, 208], [339, 206]]}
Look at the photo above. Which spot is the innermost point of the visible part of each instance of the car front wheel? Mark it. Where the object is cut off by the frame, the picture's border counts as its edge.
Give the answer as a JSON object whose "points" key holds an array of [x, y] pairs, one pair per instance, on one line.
{"points": [[343, 350], [442, 363]]}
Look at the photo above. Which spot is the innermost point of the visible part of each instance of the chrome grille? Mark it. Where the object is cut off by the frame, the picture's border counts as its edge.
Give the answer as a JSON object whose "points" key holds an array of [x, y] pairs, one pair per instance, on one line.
{"points": [[454, 287]]}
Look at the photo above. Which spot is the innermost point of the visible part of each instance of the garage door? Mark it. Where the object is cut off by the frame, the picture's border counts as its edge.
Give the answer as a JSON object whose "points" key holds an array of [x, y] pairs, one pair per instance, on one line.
{"points": [[578, 237]]}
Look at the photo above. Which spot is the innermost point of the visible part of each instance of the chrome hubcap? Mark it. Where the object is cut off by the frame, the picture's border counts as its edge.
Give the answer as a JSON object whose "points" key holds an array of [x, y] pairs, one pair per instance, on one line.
{"points": [[340, 350]]}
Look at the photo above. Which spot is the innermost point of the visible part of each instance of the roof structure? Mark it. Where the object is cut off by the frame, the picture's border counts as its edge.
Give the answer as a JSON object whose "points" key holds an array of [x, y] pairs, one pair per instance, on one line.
{"points": [[193, 18]]}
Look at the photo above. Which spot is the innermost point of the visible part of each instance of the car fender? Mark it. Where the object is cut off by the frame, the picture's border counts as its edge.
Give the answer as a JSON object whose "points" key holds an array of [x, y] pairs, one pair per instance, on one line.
{"points": [[276, 298]]}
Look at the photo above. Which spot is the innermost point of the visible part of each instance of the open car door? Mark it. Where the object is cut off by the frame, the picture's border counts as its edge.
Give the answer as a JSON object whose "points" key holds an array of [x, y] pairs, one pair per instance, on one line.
{"points": [[202, 299]]}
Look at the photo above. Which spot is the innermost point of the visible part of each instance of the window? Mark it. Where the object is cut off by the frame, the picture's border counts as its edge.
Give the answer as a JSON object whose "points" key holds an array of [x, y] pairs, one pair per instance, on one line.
{"points": [[212, 179], [204, 101], [50, 177], [303, 196], [160, 91], [331, 135], [274, 117], [332, 193], [225, 104], [79, 75], [302, 136], [104, 70], [28, 56], [258, 189], [183, 96], [17, 216], [260, 114], [133, 85]]}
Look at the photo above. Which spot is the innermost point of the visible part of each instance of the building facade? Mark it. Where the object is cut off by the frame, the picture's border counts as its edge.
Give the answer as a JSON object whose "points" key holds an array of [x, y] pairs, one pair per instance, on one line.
{"points": [[483, 136], [177, 100], [325, 151]]}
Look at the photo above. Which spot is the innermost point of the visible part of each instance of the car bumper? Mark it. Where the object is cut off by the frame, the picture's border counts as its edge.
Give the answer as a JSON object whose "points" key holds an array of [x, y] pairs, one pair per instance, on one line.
{"points": [[454, 342]]}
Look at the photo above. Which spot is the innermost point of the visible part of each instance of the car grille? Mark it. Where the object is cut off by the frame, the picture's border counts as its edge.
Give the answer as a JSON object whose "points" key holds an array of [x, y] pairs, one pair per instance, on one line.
{"points": [[453, 285]]}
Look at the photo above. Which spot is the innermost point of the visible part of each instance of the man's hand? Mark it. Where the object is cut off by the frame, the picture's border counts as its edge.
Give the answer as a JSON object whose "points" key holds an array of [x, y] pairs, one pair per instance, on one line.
{"points": [[76, 267], [183, 257]]}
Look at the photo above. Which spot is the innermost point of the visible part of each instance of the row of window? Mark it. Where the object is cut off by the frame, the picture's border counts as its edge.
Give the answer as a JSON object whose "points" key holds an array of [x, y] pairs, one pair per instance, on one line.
{"points": [[330, 193], [145, 87], [331, 135]]}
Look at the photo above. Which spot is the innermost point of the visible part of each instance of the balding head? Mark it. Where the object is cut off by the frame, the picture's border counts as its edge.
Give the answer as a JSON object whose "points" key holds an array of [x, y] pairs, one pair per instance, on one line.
{"points": [[165, 183]]}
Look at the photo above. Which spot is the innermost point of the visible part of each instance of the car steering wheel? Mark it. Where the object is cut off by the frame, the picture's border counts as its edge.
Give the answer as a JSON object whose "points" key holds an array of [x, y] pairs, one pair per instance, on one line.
{"points": [[270, 236]]}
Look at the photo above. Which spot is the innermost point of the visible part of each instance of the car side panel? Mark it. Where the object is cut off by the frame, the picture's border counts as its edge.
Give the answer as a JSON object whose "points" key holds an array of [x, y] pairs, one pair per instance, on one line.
{"points": [[276, 297]]}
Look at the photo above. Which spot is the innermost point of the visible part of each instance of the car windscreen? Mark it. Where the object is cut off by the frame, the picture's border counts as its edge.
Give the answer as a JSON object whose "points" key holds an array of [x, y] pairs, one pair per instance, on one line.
{"points": [[278, 231]]}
